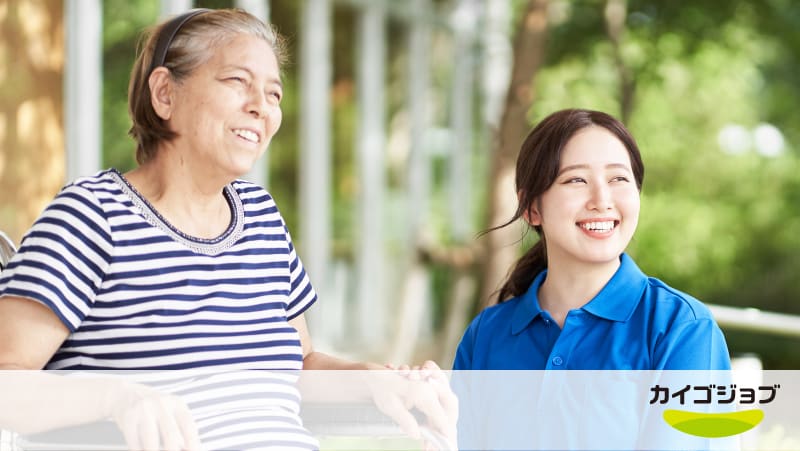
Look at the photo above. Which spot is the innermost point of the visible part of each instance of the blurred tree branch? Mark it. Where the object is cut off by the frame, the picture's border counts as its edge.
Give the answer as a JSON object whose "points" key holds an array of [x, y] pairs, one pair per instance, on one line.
{"points": [[529, 50], [616, 12]]}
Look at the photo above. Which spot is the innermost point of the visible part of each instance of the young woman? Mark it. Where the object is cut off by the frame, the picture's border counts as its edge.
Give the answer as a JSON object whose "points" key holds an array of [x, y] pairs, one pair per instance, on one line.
{"points": [[576, 300]]}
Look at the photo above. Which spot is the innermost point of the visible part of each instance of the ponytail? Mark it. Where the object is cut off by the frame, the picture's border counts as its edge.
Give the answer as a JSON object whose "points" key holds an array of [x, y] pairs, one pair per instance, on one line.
{"points": [[525, 270]]}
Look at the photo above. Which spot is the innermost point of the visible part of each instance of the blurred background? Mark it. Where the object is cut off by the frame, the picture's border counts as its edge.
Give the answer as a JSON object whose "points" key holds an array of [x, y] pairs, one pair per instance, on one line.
{"points": [[402, 121]]}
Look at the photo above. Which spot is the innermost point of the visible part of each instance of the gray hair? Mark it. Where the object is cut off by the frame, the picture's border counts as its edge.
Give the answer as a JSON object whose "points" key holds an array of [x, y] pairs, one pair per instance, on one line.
{"points": [[195, 36]]}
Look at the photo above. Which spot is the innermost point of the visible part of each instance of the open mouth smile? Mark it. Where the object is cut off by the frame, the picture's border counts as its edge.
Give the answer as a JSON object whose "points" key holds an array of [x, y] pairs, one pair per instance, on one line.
{"points": [[598, 226], [247, 135]]}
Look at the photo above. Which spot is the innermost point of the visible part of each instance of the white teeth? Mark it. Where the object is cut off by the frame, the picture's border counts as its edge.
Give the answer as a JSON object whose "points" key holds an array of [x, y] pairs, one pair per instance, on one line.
{"points": [[247, 134], [603, 226]]}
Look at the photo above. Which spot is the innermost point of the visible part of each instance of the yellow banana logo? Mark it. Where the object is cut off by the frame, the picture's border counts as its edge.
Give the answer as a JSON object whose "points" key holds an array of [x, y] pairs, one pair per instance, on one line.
{"points": [[713, 425]]}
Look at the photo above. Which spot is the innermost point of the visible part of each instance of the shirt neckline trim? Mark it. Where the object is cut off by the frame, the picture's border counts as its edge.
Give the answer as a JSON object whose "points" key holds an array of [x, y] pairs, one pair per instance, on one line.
{"points": [[207, 246]]}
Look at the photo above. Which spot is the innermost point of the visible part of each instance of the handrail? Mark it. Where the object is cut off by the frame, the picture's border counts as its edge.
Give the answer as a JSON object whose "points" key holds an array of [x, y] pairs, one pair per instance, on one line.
{"points": [[321, 420], [756, 320], [7, 249]]}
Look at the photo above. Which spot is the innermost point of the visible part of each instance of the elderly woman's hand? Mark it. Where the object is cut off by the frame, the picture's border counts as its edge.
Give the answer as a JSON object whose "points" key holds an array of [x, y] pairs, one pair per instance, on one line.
{"points": [[425, 388], [150, 420]]}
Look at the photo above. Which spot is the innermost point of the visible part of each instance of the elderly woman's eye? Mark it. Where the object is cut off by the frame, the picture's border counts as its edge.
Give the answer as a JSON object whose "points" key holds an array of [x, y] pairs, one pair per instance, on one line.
{"points": [[236, 80]]}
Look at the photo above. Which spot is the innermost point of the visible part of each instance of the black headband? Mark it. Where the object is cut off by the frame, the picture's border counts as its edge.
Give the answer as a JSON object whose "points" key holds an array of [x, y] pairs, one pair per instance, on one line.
{"points": [[167, 34]]}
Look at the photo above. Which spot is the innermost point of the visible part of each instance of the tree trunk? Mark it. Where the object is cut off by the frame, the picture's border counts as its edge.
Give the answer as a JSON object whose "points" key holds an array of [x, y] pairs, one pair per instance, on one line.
{"points": [[616, 11], [529, 48], [32, 160]]}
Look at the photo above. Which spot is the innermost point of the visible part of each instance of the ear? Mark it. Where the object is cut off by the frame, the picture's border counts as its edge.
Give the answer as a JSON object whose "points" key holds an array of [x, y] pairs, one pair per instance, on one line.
{"points": [[161, 92], [531, 214]]}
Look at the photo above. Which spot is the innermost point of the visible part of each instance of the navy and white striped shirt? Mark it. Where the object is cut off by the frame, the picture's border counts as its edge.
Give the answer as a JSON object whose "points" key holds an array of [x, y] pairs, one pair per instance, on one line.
{"points": [[136, 293]]}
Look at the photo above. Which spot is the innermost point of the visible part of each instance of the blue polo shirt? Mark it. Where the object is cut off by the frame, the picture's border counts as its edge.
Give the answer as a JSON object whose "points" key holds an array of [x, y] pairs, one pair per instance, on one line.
{"points": [[634, 323]]}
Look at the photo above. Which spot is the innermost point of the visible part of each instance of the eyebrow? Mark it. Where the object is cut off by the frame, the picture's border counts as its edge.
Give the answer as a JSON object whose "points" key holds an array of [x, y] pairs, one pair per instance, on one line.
{"points": [[586, 166], [275, 80]]}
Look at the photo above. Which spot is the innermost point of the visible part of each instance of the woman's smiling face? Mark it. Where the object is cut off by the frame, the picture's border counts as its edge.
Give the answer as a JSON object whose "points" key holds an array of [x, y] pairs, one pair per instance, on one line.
{"points": [[228, 109], [590, 212]]}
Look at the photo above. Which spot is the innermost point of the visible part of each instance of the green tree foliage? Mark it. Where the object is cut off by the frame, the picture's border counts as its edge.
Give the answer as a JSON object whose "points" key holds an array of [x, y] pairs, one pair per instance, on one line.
{"points": [[719, 223], [122, 24]]}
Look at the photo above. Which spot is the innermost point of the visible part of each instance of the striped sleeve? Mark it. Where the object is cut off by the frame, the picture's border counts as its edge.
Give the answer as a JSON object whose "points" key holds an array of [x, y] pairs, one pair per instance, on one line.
{"points": [[302, 294], [63, 258]]}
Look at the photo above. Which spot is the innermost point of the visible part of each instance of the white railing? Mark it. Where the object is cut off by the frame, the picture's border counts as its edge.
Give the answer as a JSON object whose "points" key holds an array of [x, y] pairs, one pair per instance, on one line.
{"points": [[756, 320], [7, 249]]}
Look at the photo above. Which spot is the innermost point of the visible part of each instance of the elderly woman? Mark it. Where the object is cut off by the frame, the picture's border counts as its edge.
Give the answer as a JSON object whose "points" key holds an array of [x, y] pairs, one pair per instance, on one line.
{"points": [[177, 264]]}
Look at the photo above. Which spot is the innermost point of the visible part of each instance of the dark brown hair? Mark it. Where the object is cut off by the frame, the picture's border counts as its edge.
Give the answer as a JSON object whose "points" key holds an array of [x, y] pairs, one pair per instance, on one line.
{"points": [[195, 38], [537, 168]]}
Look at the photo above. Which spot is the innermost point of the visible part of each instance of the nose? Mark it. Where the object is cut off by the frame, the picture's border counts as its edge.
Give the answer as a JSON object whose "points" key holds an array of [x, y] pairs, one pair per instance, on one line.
{"points": [[257, 104], [601, 199]]}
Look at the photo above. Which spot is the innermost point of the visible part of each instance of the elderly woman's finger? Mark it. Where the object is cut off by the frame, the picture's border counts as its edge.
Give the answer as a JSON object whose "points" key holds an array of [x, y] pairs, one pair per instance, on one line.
{"points": [[169, 431], [148, 433], [188, 428], [130, 432], [176, 426]]}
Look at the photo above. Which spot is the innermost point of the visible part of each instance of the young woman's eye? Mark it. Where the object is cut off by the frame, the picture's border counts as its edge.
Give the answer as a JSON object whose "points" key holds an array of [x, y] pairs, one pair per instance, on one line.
{"points": [[620, 178], [575, 180]]}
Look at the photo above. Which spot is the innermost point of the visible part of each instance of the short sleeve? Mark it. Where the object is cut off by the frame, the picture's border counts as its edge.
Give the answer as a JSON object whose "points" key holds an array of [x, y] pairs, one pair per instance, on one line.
{"points": [[302, 294], [463, 358], [696, 344], [63, 258]]}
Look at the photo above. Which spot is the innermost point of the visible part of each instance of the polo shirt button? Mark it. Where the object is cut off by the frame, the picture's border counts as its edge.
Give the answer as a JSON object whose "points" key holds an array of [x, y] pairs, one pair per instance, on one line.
{"points": [[558, 361]]}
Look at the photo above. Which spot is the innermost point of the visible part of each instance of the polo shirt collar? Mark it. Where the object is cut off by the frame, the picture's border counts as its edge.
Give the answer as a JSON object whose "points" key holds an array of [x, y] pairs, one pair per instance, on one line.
{"points": [[615, 302], [528, 307], [619, 298]]}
